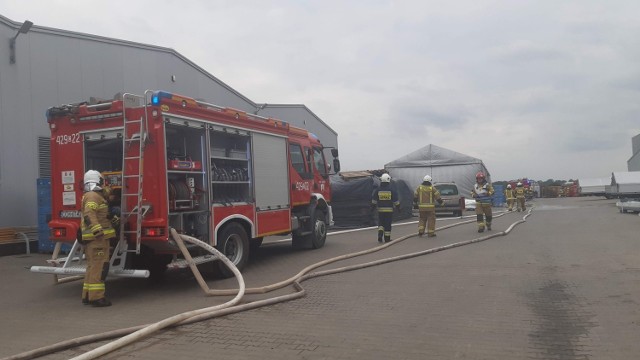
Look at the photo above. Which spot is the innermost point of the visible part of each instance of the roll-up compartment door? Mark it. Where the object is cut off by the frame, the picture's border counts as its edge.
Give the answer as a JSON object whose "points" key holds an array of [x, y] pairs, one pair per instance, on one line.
{"points": [[270, 172]]}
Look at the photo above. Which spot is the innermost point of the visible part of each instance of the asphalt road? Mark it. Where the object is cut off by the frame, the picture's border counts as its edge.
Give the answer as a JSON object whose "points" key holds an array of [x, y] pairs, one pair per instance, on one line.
{"points": [[563, 285]]}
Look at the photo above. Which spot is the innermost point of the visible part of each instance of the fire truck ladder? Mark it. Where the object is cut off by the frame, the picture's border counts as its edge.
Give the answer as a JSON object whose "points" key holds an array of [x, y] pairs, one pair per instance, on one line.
{"points": [[133, 144]]}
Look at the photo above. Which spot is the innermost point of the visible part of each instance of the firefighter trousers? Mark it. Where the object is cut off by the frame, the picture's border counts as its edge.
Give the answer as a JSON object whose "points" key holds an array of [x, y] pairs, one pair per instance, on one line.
{"points": [[510, 204], [384, 225], [428, 219], [97, 254], [521, 206], [484, 215]]}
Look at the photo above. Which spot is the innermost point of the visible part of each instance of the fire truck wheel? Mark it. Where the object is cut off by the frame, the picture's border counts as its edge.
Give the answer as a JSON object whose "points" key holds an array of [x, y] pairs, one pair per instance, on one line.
{"points": [[319, 230], [314, 234], [234, 244]]}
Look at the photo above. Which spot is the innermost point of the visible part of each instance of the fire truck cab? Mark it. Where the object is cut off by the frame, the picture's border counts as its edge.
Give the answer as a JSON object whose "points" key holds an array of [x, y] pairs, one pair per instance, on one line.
{"points": [[218, 174]]}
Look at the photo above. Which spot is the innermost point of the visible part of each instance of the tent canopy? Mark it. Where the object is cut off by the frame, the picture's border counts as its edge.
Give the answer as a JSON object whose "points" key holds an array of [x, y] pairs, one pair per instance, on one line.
{"points": [[442, 164], [594, 182], [625, 177], [594, 186]]}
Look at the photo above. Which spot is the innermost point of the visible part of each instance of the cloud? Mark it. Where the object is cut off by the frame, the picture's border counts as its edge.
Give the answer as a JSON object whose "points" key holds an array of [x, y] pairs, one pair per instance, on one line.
{"points": [[539, 89], [524, 51]]}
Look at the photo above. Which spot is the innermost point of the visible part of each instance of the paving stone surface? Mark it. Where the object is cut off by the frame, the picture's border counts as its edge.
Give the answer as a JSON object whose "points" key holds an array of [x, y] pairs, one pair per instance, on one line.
{"points": [[563, 285]]}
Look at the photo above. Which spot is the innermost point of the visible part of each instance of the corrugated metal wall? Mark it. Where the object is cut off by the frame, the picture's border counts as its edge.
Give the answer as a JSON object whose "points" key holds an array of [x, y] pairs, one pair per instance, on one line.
{"points": [[57, 67]]}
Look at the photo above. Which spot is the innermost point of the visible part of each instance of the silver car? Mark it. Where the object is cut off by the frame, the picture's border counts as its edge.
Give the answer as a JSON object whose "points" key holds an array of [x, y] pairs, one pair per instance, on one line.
{"points": [[453, 202]]}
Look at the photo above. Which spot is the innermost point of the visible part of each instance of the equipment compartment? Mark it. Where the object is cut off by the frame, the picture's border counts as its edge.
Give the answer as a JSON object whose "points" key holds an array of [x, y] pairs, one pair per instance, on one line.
{"points": [[186, 180], [230, 164]]}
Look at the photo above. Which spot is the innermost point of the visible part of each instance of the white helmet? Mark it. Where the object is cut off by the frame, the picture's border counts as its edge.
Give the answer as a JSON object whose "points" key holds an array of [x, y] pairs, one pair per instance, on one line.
{"points": [[519, 184], [93, 180], [427, 178], [509, 186], [385, 178]]}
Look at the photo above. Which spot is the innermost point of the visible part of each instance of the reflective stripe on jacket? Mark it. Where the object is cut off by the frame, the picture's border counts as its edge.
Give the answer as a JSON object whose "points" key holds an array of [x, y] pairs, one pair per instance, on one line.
{"points": [[94, 222], [483, 193], [508, 194], [520, 192], [426, 196], [384, 198]]}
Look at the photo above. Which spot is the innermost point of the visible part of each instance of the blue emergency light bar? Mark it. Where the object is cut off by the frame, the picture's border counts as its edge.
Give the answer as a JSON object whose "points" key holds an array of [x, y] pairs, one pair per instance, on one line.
{"points": [[155, 98]]}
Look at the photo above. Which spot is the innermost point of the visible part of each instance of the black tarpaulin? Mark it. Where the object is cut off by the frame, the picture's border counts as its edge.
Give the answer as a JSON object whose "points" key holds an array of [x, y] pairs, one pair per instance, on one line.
{"points": [[351, 200]]}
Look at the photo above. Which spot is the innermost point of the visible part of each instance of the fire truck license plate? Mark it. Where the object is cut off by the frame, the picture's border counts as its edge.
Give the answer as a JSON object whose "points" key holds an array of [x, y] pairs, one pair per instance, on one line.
{"points": [[69, 214]]}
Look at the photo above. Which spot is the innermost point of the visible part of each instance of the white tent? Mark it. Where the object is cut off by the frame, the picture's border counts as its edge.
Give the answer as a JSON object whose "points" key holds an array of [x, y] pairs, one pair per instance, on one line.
{"points": [[593, 186], [625, 183], [442, 164]]}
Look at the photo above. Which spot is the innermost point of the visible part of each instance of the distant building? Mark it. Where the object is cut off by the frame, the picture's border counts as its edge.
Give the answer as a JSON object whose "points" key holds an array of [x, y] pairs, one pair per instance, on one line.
{"points": [[49, 67]]}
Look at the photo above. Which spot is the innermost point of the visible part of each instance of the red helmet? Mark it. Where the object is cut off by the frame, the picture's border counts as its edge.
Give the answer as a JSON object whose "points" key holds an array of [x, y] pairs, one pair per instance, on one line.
{"points": [[480, 175]]}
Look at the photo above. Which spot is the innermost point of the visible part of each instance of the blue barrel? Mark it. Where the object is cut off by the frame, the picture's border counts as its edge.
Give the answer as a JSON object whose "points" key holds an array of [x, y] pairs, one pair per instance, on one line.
{"points": [[44, 216], [498, 195]]}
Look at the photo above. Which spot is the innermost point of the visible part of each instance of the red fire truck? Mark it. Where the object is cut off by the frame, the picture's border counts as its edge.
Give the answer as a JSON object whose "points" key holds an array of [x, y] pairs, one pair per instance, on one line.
{"points": [[221, 175]]}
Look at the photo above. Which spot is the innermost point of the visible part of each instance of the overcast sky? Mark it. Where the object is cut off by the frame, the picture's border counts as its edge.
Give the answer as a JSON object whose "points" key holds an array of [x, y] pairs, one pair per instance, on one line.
{"points": [[537, 89]]}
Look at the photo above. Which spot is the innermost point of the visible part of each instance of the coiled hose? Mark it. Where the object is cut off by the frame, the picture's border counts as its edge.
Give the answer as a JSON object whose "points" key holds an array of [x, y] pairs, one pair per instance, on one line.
{"points": [[132, 334]]}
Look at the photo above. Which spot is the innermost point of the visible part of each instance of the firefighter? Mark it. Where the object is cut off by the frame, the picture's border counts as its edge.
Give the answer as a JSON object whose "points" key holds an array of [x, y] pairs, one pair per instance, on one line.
{"points": [[520, 197], [424, 199], [385, 199], [96, 232], [508, 194], [482, 192], [113, 214]]}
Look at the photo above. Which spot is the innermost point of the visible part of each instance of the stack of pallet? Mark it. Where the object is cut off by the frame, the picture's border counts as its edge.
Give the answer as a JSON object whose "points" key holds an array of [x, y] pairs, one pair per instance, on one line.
{"points": [[10, 234], [7, 235]]}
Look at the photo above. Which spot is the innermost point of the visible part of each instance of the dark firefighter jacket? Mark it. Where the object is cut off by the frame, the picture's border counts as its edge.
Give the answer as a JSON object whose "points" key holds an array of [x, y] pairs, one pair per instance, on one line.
{"points": [[384, 198]]}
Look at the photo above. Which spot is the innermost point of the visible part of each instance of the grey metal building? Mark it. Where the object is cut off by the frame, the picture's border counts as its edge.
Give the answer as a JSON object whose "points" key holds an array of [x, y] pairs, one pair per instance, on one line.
{"points": [[42, 67], [633, 164]]}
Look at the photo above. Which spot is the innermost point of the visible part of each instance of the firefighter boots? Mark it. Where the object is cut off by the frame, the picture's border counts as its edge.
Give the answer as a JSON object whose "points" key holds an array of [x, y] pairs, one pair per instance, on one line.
{"points": [[102, 302]]}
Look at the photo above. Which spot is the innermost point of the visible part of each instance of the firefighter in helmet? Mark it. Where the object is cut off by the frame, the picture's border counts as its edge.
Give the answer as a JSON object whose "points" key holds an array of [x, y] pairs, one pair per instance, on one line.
{"points": [[385, 199], [96, 232], [520, 196], [483, 192], [424, 199], [509, 195]]}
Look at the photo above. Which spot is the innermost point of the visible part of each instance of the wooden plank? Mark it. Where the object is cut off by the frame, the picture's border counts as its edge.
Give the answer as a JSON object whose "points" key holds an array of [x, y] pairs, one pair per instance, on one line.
{"points": [[10, 234]]}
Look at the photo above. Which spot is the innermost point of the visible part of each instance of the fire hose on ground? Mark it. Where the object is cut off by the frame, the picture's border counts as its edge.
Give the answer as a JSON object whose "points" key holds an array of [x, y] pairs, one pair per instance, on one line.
{"points": [[132, 334]]}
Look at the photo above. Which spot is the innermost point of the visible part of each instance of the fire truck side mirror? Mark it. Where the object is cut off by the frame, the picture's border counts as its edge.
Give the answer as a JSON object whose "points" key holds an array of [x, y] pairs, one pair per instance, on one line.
{"points": [[334, 153], [336, 165]]}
